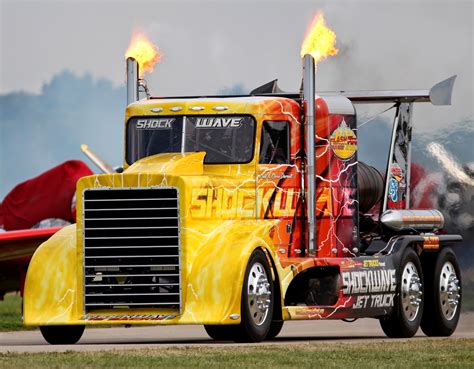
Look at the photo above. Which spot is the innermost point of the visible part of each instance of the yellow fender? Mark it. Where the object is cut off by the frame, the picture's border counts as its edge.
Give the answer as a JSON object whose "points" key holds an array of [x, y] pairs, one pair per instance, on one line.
{"points": [[51, 281], [212, 287]]}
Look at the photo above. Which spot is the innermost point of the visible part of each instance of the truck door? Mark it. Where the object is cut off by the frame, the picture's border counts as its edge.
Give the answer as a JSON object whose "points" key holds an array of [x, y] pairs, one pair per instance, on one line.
{"points": [[279, 181]]}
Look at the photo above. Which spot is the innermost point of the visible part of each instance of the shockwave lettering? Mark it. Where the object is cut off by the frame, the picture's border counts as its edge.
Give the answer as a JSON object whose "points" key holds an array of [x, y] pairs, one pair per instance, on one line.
{"points": [[218, 122], [369, 281], [164, 123], [224, 203]]}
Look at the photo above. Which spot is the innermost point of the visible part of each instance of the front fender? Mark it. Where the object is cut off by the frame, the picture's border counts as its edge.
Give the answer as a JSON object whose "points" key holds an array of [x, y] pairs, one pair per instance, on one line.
{"points": [[51, 281], [216, 268]]}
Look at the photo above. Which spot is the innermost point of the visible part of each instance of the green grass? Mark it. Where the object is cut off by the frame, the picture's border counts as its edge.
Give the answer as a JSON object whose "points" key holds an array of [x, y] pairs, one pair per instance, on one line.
{"points": [[10, 313], [443, 353]]}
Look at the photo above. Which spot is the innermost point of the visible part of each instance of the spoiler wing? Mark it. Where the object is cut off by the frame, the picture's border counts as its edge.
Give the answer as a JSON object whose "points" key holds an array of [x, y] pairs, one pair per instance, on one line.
{"points": [[439, 94]]}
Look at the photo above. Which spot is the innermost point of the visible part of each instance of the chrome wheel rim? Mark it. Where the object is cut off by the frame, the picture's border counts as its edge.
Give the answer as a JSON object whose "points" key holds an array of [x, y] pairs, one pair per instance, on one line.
{"points": [[411, 291], [259, 293], [449, 290]]}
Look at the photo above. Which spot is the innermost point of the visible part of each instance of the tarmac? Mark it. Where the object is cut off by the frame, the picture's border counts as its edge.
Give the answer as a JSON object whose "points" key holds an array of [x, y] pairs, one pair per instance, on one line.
{"points": [[155, 337]]}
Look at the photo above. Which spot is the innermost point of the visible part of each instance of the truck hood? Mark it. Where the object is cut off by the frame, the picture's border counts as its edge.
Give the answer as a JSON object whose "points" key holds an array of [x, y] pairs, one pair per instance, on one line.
{"points": [[170, 163]]}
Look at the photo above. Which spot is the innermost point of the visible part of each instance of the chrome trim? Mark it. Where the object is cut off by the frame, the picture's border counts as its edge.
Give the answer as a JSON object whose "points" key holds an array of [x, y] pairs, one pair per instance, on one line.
{"points": [[309, 96], [132, 80]]}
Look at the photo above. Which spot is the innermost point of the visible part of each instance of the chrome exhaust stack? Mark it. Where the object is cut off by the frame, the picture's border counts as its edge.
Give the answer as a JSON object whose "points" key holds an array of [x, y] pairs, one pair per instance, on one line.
{"points": [[309, 97], [132, 80]]}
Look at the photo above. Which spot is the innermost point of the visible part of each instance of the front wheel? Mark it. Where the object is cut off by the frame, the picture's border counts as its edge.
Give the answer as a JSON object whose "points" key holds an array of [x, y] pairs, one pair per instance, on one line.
{"points": [[62, 334], [275, 329], [443, 295], [405, 318], [257, 299], [223, 332]]}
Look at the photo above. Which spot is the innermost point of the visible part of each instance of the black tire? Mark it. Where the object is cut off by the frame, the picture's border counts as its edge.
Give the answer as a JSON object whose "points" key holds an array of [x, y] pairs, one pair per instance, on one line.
{"points": [[223, 332], [440, 318], [275, 329], [398, 324], [251, 328], [62, 334]]}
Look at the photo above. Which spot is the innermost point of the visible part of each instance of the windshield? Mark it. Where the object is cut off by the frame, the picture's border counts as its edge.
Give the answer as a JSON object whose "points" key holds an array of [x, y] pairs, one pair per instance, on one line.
{"points": [[225, 139]]}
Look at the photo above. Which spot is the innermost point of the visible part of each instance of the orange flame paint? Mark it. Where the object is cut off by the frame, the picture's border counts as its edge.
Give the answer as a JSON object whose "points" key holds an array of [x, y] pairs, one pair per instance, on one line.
{"points": [[319, 41], [144, 51]]}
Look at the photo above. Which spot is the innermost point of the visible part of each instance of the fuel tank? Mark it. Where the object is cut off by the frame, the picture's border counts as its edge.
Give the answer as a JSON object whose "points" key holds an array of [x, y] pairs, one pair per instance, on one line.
{"points": [[370, 185]]}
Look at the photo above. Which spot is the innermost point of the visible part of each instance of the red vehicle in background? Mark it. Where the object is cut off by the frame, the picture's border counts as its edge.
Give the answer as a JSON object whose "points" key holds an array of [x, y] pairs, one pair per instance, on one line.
{"points": [[30, 214]]}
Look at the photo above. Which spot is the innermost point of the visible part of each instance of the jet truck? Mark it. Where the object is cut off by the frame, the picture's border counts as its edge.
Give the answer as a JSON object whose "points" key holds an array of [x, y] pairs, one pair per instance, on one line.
{"points": [[242, 212]]}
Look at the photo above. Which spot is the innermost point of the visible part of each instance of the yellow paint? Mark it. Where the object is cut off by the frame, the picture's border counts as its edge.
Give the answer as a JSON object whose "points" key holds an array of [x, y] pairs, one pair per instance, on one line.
{"points": [[220, 228]]}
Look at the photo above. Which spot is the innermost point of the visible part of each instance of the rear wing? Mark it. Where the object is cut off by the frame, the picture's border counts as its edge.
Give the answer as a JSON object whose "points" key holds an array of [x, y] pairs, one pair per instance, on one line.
{"points": [[439, 94]]}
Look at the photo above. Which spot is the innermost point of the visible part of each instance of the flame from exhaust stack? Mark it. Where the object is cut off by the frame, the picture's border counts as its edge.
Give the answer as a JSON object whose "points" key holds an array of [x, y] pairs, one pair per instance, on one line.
{"points": [[319, 41], [144, 52]]}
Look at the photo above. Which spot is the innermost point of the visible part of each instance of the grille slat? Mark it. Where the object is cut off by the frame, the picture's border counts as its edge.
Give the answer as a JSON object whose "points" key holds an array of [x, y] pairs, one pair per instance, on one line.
{"points": [[122, 237], [135, 285], [130, 256], [131, 248], [128, 304], [131, 275], [151, 198]]}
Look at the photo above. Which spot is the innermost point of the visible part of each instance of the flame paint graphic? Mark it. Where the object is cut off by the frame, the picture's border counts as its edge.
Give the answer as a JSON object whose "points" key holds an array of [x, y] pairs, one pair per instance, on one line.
{"points": [[144, 51], [320, 41]]}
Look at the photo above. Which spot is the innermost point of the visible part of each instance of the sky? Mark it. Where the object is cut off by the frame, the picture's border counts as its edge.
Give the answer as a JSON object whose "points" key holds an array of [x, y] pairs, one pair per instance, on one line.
{"points": [[211, 45]]}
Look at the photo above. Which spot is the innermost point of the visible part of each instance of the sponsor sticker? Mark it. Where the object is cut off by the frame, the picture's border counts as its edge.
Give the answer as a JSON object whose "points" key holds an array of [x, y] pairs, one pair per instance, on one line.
{"points": [[373, 263], [305, 312], [397, 172], [393, 190], [430, 243], [343, 141]]}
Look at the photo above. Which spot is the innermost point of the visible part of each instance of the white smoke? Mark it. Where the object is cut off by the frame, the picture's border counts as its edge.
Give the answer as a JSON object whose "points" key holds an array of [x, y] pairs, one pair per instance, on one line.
{"points": [[449, 163]]}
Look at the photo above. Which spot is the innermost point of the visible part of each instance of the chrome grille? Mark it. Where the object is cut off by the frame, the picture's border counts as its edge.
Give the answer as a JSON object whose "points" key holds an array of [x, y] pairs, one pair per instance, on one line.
{"points": [[131, 248]]}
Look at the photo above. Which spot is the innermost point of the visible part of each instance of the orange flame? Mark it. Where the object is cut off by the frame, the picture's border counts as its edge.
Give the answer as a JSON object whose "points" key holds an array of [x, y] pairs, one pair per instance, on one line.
{"points": [[320, 41], [144, 52]]}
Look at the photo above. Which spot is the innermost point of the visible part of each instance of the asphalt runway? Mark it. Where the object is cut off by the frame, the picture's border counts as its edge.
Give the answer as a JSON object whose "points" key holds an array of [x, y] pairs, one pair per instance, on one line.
{"points": [[293, 332]]}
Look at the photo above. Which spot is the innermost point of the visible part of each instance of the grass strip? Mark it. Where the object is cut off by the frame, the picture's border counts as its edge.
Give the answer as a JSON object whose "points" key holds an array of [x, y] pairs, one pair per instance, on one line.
{"points": [[415, 353]]}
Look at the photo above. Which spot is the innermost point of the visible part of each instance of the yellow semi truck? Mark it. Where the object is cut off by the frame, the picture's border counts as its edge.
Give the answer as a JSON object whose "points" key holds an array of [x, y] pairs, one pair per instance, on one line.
{"points": [[242, 212]]}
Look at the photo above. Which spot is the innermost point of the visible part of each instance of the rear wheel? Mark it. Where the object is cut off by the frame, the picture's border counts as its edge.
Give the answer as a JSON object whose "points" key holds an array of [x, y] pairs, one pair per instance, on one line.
{"points": [[405, 318], [62, 334], [443, 295]]}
